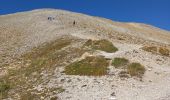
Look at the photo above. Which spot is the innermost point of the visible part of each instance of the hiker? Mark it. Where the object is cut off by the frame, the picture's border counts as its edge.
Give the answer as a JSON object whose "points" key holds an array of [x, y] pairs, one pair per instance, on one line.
{"points": [[50, 18], [74, 23]]}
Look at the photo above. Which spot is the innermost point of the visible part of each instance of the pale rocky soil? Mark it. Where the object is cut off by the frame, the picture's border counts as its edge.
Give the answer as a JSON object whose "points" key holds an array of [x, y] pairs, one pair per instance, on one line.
{"points": [[155, 83], [21, 32]]}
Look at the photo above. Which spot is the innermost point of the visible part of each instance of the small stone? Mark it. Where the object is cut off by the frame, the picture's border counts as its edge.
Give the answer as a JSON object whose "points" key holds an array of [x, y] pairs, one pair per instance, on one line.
{"points": [[134, 51], [158, 60], [42, 97], [19, 62], [113, 94], [62, 80], [141, 80], [157, 73], [84, 86], [69, 81], [78, 79], [97, 82]]}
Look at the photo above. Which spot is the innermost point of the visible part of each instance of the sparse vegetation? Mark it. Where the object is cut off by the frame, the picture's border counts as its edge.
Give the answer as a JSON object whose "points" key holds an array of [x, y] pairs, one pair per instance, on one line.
{"points": [[48, 48], [133, 69], [44, 57], [157, 50], [54, 98], [136, 69], [90, 66], [152, 49], [59, 90], [103, 45], [164, 51], [29, 96], [4, 87], [119, 62]]}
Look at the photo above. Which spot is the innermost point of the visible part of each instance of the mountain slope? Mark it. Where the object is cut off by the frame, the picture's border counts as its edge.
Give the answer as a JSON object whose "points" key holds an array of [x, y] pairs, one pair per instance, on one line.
{"points": [[37, 45]]}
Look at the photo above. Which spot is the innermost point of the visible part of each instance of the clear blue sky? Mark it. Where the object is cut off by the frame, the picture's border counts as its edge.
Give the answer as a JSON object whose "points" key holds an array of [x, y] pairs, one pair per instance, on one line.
{"points": [[154, 12]]}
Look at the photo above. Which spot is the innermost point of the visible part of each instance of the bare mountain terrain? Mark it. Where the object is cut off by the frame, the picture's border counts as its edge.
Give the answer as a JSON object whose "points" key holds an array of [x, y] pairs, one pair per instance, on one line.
{"points": [[49, 54]]}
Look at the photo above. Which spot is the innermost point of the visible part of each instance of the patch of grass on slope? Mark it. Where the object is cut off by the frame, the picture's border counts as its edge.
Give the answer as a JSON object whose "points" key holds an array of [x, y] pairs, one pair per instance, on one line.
{"points": [[45, 56], [32, 64], [136, 69], [132, 69], [103, 45], [157, 50], [90, 66], [4, 87], [164, 51], [152, 49], [119, 62]]}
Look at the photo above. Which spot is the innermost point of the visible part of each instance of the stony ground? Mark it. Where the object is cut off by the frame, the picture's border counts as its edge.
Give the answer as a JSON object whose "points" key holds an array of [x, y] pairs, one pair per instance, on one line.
{"points": [[154, 85], [33, 58]]}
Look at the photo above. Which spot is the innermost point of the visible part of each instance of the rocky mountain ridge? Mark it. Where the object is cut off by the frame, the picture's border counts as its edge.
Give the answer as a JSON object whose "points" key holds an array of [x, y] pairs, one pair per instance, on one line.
{"points": [[39, 47]]}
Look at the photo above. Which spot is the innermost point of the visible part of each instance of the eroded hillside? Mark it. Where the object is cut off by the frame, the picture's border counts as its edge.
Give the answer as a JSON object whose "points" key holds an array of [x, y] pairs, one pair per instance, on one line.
{"points": [[52, 54]]}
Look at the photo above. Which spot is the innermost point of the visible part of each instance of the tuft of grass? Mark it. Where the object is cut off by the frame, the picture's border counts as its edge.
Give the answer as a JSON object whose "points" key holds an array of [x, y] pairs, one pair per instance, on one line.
{"points": [[119, 62], [29, 96], [103, 45], [4, 86], [59, 90], [54, 98], [90, 66], [164, 51], [136, 69], [152, 49], [157, 50]]}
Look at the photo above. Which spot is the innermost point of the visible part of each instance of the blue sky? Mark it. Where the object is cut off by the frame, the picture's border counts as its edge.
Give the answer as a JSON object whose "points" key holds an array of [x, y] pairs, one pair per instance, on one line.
{"points": [[154, 12]]}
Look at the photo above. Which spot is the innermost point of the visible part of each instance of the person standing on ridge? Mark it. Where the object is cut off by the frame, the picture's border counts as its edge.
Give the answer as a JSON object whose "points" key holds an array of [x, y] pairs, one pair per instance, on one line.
{"points": [[74, 23]]}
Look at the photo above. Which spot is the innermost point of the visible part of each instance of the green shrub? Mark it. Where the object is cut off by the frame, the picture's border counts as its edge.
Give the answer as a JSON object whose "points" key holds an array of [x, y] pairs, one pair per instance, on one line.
{"points": [[118, 62], [103, 45], [90, 66], [136, 69]]}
